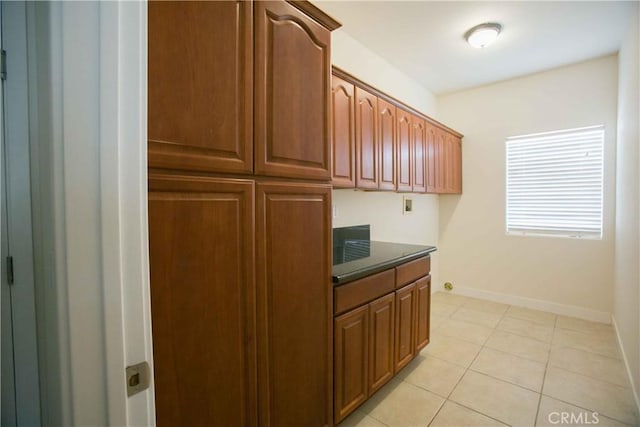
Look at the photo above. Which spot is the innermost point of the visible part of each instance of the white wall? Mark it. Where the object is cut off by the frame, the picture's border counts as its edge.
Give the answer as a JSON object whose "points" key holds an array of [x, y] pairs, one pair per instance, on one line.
{"points": [[476, 253], [627, 251], [383, 210]]}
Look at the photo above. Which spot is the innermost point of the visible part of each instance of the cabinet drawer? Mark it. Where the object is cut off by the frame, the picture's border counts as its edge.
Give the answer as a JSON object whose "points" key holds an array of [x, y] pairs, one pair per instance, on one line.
{"points": [[409, 272], [362, 291]]}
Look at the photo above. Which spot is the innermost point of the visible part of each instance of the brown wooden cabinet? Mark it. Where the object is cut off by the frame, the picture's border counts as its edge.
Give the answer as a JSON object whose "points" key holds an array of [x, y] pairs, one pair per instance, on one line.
{"points": [[343, 133], [387, 145], [381, 318], [232, 346], [396, 147], [201, 244], [294, 303], [405, 326], [351, 361], [292, 135], [381, 322], [404, 151], [423, 307], [201, 86], [367, 153], [419, 154]]}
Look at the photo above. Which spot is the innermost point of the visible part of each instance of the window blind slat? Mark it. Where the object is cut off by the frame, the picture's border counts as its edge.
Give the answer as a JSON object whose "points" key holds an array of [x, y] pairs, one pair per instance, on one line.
{"points": [[554, 183]]}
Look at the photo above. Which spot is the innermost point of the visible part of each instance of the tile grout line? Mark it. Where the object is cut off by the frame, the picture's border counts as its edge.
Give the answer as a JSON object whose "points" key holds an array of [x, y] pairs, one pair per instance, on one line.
{"points": [[546, 367]]}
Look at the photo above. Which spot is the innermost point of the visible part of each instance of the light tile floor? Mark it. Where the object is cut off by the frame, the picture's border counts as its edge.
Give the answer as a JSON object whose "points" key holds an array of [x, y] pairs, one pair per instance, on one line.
{"points": [[491, 364]]}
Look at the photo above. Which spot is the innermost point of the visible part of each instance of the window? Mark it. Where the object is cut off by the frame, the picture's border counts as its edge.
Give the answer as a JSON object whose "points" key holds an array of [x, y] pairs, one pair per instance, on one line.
{"points": [[554, 183]]}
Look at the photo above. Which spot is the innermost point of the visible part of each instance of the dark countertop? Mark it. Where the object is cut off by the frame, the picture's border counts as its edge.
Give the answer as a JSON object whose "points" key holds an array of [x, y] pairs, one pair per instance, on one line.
{"points": [[383, 255]]}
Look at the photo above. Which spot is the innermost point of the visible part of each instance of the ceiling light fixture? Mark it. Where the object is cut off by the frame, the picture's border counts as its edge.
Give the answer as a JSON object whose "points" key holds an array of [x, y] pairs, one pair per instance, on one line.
{"points": [[483, 35]]}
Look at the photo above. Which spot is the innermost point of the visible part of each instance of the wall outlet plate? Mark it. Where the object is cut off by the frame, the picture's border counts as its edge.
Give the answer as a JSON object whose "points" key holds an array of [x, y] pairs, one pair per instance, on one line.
{"points": [[407, 205]]}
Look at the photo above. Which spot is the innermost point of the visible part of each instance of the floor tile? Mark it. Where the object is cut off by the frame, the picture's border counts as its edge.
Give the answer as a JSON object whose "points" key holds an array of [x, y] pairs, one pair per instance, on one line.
{"points": [[542, 317], [465, 331], [454, 415], [506, 402], [594, 365], [553, 412], [433, 374], [520, 346], [400, 404], [451, 349], [482, 318], [484, 305], [602, 343], [526, 328], [507, 367], [443, 309], [581, 325], [360, 419], [436, 321], [448, 298], [610, 400]]}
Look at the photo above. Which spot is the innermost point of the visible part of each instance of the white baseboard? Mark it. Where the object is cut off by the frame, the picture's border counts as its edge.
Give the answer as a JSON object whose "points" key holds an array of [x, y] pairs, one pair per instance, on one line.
{"points": [[626, 364], [562, 309]]}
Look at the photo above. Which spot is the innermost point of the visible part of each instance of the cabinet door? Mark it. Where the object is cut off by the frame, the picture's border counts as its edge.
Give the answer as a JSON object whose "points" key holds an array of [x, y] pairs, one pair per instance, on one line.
{"points": [[441, 158], [200, 86], [381, 334], [202, 300], [293, 93], [294, 303], [367, 153], [457, 166], [419, 162], [387, 144], [351, 361], [423, 301], [404, 155], [432, 159], [405, 326], [343, 133]]}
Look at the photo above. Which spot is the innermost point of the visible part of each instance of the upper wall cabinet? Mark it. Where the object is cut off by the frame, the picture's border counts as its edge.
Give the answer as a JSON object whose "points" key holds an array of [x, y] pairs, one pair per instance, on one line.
{"points": [[367, 153], [198, 122], [343, 133], [405, 156], [293, 93], [396, 147], [387, 145]]}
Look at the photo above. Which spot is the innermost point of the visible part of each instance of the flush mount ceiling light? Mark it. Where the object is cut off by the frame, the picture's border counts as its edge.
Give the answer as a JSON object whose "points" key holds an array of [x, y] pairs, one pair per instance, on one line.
{"points": [[483, 35]]}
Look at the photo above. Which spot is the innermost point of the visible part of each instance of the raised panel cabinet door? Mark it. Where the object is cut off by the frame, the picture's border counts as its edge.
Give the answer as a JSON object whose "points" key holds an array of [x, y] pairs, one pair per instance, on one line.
{"points": [[381, 332], [351, 349], [419, 160], [404, 154], [441, 158], [201, 245], [457, 163], [367, 153], [343, 133], [294, 303], [432, 159], [292, 93], [405, 326], [450, 162], [200, 89], [387, 144], [423, 304]]}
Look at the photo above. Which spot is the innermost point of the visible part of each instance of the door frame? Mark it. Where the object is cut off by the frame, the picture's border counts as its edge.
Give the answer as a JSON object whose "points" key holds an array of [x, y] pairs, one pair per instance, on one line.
{"points": [[91, 133]]}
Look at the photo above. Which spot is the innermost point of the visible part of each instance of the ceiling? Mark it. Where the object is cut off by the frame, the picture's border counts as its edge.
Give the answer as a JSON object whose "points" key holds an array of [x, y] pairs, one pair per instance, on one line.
{"points": [[424, 39]]}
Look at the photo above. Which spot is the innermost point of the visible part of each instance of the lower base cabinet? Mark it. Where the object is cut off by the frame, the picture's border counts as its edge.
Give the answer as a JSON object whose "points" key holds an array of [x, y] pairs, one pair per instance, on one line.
{"points": [[376, 339], [240, 305]]}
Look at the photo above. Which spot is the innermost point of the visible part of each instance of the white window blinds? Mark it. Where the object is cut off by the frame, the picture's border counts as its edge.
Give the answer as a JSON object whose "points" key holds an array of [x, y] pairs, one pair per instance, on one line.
{"points": [[554, 183]]}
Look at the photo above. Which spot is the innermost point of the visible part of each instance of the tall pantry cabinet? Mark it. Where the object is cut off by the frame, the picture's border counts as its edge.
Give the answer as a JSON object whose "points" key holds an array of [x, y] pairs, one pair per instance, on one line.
{"points": [[239, 212]]}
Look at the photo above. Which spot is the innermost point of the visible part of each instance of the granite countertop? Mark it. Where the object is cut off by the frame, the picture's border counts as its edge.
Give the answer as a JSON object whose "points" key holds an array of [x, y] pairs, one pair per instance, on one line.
{"points": [[382, 256]]}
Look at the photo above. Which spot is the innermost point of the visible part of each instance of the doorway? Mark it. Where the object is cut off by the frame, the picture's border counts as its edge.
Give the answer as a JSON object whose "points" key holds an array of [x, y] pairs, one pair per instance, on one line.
{"points": [[19, 357]]}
